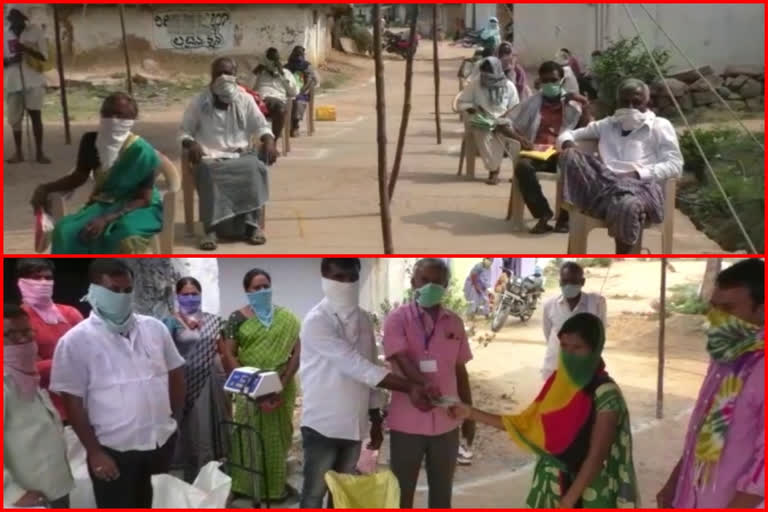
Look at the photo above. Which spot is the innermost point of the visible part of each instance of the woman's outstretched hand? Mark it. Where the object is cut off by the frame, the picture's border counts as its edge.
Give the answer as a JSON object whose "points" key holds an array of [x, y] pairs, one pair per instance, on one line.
{"points": [[460, 411]]}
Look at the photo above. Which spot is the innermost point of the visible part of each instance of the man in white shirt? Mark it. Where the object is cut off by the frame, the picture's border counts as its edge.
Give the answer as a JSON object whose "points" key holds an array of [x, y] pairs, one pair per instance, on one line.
{"points": [[36, 472], [339, 375], [638, 151], [486, 101], [277, 86], [559, 309], [25, 52], [122, 381], [217, 133]]}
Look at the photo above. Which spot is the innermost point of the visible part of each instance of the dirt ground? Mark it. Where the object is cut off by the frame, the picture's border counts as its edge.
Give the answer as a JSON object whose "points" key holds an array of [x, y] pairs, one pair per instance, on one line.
{"points": [[324, 193], [505, 378]]}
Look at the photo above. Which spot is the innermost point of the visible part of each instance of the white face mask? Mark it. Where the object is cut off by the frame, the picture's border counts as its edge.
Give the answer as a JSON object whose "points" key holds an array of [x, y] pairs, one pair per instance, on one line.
{"points": [[630, 118], [110, 139], [343, 297], [225, 88]]}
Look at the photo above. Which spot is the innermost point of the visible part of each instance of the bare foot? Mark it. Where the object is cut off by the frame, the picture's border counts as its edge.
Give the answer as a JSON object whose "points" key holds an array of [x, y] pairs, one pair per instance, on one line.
{"points": [[15, 159], [42, 159]]}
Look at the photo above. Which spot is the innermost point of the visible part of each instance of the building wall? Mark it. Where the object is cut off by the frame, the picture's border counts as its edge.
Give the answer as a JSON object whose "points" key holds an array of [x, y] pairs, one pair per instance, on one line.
{"points": [[192, 29], [482, 13], [713, 34]]}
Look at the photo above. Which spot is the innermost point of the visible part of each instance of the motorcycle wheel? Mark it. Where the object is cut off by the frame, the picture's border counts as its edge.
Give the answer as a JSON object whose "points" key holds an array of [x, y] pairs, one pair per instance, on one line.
{"points": [[526, 316], [499, 318]]}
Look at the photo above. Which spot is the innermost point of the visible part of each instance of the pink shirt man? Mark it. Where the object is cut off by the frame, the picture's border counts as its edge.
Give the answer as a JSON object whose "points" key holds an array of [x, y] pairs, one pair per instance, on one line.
{"points": [[407, 331]]}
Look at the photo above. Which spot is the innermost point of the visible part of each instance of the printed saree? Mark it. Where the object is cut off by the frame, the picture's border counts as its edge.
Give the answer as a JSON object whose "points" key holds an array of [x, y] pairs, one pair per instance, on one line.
{"points": [[131, 233], [266, 348]]}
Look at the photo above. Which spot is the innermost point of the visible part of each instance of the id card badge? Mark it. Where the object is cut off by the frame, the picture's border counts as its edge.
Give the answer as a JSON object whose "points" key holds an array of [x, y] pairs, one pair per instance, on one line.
{"points": [[428, 366]]}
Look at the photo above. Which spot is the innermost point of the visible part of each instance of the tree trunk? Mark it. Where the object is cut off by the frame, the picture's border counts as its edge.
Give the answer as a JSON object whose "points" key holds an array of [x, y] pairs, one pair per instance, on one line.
{"points": [[406, 102], [125, 50], [381, 132], [436, 71], [713, 268], [62, 80]]}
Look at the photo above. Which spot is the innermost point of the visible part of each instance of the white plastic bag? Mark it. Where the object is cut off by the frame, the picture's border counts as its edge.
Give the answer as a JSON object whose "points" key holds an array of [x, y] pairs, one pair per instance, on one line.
{"points": [[43, 230], [210, 489], [82, 495]]}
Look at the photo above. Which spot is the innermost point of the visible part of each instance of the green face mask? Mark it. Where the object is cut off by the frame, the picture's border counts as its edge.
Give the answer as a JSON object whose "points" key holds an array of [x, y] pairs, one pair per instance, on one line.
{"points": [[580, 368], [430, 295], [551, 90]]}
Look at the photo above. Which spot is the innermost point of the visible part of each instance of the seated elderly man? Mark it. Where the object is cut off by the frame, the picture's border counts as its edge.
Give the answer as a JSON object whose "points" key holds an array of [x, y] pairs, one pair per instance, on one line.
{"points": [[231, 180], [488, 100], [638, 151], [537, 123], [277, 85]]}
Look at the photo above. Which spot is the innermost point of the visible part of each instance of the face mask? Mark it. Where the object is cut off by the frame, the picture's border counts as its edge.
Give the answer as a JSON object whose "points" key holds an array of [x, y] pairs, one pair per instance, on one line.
{"points": [[189, 304], [580, 368], [551, 90], [729, 337], [114, 308], [110, 139], [37, 294], [225, 88], [570, 291], [630, 118], [430, 295], [344, 297], [261, 304], [19, 362]]}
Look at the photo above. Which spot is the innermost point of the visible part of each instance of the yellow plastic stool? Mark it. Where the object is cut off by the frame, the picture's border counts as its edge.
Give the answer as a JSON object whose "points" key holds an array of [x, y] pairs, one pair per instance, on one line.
{"points": [[325, 113]]}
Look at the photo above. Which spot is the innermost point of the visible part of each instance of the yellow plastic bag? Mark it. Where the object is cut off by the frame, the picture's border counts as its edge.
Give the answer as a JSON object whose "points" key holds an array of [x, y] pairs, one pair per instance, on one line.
{"points": [[379, 490], [325, 113]]}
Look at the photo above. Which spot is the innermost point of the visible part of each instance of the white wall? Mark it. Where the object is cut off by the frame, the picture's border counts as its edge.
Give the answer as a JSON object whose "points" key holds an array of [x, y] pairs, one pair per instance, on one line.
{"points": [[244, 29], [713, 34], [483, 12], [295, 282]]}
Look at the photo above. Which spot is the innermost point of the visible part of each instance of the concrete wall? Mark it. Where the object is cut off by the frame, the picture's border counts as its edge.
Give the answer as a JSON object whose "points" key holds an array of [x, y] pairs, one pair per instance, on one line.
{"points": [[213, 29], [482, 13], [714, 34]]}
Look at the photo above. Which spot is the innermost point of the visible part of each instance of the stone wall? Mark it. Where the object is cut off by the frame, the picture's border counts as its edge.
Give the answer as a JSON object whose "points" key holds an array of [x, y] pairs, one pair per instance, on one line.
{"points": [[743, 88]]}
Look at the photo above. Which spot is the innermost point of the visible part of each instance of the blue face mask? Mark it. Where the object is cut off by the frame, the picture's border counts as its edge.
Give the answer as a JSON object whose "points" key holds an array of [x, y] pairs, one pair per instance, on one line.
{"points": [[116, 309], [261, 304]]}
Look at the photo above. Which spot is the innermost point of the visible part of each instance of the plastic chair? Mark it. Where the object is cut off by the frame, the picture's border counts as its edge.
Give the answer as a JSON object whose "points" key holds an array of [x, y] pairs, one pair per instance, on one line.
{"points": [[162, 243], [516, 206], [581, 224], [378, 490], [188, 191]]}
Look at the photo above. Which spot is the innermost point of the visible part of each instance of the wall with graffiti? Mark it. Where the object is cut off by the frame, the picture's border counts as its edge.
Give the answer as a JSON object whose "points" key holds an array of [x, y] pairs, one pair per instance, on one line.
{"points": [[204, 30]]}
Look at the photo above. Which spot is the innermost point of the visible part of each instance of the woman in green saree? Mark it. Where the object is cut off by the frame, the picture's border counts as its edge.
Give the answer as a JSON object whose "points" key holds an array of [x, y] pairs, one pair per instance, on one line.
{"points": [[578, 426], [125, 210], [266, 337]]}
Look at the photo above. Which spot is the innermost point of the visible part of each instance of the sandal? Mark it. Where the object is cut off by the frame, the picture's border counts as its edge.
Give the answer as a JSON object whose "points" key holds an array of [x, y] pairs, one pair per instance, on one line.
{"points": [[208, 242], [257, 237], [561, 227], [541, 227], [493, 178]]}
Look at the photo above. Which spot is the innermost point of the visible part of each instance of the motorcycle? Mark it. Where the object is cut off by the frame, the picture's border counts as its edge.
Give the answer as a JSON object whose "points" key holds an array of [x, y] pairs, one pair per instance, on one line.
{"points": [[520, 298], [399, 44]]}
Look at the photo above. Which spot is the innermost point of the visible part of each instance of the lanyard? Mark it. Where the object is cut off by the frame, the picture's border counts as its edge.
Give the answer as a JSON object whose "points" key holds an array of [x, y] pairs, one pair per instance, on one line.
{"points": [[427, 335]]}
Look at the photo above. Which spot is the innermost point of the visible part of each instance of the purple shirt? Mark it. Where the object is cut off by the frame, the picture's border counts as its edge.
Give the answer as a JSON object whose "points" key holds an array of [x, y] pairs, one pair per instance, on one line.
{"points": [[405, 332], [742, 462]]}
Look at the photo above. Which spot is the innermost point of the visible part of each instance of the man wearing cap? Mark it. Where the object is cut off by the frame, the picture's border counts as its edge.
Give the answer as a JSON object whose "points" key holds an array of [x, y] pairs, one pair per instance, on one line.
{"points": [[24, 55]]}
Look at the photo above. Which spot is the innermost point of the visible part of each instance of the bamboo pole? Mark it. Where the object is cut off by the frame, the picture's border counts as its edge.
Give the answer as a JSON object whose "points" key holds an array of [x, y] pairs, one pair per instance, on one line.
{"points": [[436, 59], [662, 328], [381, 132], [125, 50], [406, 102], [62, 81]]}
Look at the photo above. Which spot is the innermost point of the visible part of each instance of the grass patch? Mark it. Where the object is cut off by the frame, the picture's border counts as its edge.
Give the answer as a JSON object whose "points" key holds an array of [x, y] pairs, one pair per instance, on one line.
{"points": [[739, 166], [684, 299]]}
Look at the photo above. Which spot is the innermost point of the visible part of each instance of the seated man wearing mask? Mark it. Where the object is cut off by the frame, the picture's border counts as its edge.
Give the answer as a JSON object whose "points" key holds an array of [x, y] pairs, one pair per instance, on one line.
{"points": [[488, 100], [638, 151], [232, 182], [277, 85], [537, 122], [122, 381], [125, 209]]}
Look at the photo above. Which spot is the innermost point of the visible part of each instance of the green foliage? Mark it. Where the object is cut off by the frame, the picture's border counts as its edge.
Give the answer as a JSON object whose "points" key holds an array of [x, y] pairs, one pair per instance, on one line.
{"points": [[739, 166], [623, 59], [684, 299], [359, 34]]}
